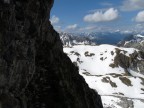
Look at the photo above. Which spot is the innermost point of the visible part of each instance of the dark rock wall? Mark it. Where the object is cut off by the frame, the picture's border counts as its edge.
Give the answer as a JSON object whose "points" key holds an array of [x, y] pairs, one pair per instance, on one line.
{"points": [[34, 71]]}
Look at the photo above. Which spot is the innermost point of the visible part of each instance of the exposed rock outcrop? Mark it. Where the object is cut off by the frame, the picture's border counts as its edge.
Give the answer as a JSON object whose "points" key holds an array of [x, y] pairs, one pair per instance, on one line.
{"points": [[134, 61], [34, 71]]}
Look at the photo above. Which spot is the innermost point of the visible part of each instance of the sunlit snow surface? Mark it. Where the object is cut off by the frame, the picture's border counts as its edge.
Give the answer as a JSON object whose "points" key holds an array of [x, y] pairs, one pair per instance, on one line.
{"points": [[95, 69]]}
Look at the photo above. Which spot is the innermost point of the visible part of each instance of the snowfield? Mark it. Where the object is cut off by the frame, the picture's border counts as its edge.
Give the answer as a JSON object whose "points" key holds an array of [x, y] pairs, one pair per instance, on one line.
{"points": [[114, 84]]}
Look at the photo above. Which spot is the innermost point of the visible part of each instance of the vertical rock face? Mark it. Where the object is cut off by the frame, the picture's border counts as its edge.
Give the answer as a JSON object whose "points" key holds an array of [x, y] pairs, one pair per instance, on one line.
{"points": [[34, 71]]}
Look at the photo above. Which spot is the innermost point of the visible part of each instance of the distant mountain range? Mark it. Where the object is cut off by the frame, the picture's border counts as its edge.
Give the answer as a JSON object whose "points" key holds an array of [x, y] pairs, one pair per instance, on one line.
{"points": [[70, 40], [112, 38]]}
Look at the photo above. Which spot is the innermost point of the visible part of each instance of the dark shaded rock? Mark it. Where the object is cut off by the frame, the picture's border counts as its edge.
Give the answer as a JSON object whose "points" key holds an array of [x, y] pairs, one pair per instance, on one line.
{"points": [[121, 59], [113, 84], [112, 65], [87, 54], [126, 81], [112, 53], [102, 58], [108, 80], [126, 103], [34, 71], [75, 53]]}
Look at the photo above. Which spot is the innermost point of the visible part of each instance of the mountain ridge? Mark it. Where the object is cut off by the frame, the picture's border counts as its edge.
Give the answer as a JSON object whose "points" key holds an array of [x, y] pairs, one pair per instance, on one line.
{"points": [[134, 41], [95, 37]]}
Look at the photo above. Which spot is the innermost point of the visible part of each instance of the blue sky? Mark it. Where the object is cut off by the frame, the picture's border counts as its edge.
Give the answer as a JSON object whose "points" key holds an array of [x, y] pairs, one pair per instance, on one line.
{"points": [[97, 15]]}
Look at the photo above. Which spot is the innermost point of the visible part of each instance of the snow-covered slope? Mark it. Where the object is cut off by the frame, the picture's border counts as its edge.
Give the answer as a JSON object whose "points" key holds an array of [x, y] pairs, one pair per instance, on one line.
{"points": [[113, 72]]}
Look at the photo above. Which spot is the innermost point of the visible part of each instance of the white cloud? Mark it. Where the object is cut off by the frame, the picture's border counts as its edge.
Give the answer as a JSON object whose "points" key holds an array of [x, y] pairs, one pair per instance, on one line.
{"points": [[88, 28], [54, 19], [140, 17], [99, 16], [96, 28], [131, 5], [72, 27], [96, 10], [58, 28]]}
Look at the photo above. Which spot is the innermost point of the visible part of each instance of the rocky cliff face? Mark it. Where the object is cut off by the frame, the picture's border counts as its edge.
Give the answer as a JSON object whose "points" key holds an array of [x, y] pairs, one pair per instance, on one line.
{"points": [[133, 62], [34, 71]]}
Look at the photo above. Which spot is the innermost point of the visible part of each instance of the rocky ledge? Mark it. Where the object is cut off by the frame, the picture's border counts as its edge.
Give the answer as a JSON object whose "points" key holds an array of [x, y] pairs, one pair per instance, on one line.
{"points": [[34, 71]]}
